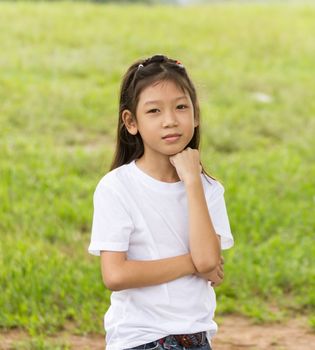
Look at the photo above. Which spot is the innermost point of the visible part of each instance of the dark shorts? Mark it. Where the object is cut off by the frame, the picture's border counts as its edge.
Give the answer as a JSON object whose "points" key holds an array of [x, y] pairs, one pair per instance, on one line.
{"points": [[172, 343]]}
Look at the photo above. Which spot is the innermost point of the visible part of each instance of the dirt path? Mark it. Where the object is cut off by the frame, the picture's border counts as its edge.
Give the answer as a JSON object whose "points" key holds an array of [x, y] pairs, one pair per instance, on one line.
{"points": [[239, 333], [235, 333]]}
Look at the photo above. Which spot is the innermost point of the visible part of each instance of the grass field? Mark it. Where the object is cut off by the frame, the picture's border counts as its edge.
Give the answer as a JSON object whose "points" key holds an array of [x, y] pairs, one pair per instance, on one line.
{"points": [[61, 65]]}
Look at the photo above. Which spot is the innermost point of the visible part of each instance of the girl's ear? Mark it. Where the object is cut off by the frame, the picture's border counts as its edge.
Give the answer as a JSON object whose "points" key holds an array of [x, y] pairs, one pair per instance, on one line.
{"points": [[130, 122]]}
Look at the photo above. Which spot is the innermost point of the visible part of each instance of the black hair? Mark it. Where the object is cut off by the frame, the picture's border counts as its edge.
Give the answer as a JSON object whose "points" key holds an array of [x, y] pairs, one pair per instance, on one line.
{"points": [[140, 75]]}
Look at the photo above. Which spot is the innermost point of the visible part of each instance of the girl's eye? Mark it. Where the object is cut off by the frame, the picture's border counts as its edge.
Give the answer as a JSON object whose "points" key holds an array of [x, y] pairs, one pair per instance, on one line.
{"points": [[182, 106], [153, 110]]}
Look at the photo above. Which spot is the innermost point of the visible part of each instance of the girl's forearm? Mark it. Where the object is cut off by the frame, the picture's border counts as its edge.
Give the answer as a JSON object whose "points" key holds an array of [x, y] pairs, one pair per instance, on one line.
{"points": [[203, 240], [136, 273]]}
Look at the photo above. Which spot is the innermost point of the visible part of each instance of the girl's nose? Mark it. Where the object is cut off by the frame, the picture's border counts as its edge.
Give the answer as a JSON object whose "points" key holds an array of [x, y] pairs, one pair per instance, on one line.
{"points": [[169, 120]]}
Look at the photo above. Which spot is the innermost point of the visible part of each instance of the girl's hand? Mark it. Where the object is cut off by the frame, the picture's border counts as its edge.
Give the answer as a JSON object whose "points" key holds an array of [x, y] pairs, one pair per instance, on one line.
{"points": [[187, 164], [216, 276]]}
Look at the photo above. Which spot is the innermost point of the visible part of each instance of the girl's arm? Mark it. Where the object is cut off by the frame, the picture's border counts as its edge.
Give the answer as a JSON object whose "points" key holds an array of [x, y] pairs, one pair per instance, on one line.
{"points": [[203, 241], [119, 273], [216, 276]]}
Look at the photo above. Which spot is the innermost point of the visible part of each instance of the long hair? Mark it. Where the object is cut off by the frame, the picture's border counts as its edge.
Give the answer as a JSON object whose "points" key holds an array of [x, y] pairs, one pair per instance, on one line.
{"points": [[140, 75]]}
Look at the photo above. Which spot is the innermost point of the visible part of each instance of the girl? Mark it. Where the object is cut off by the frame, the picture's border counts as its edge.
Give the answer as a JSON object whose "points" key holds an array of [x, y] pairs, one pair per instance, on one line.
{"points": [[159, 220]]}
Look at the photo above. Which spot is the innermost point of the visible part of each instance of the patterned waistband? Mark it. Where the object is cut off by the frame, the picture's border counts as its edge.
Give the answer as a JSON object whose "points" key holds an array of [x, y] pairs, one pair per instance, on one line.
{"points": [[188, 340]]}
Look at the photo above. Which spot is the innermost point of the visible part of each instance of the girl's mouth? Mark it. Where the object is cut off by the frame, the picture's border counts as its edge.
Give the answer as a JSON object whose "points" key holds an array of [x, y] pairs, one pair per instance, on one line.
{"points": [[171, 137]]}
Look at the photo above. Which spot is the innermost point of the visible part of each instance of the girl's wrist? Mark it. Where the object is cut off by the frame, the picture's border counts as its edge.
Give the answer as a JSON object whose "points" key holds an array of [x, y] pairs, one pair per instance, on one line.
{"points": [[192, 182]]}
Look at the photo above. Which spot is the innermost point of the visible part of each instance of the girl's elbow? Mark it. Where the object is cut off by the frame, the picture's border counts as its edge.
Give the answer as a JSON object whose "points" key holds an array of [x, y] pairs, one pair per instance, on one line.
{"points": [[113, 287], [112, 282], [206, 266]]}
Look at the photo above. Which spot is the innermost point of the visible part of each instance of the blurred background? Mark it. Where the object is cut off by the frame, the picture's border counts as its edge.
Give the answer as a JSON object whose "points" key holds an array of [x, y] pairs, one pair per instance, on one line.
{"points": [[61, 65]]}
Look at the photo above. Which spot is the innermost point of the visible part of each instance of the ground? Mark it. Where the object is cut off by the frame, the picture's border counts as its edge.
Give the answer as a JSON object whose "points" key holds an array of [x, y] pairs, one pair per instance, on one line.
{"points": [[235, 333]]}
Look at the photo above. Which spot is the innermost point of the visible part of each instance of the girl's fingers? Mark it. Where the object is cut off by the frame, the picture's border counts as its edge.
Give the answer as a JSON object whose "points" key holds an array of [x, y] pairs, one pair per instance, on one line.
{"points": [[220, 274]]}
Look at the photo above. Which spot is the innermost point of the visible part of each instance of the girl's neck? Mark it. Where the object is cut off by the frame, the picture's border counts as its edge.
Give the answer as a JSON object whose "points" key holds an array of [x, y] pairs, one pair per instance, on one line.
{"points": [[160, 169]]}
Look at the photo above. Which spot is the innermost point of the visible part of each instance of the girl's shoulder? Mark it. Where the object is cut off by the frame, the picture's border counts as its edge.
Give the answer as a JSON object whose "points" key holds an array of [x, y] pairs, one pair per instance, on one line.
{"points": [[113, 181]]}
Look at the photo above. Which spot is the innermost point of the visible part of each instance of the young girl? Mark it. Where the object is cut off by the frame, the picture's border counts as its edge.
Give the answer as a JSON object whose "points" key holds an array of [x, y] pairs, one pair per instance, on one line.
{"points": [[159, 221]]}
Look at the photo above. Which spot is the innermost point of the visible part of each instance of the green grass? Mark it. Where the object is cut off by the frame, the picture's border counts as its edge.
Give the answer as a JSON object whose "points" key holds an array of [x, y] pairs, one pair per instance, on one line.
{"points": [[39, 343], [61, 65]]}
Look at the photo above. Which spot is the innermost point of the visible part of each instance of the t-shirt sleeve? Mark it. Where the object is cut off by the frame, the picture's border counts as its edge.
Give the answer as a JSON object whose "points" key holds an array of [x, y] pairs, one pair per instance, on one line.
{"points": [[218, 214], [112, 225]]}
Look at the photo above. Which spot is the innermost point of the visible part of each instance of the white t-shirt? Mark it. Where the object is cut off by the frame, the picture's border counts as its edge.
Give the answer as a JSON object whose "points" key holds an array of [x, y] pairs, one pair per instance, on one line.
{"points": [[148, 219]]}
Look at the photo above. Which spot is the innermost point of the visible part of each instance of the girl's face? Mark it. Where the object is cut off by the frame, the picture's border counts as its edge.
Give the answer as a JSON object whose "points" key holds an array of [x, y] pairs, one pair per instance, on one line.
{"points": [[165, 119]]}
